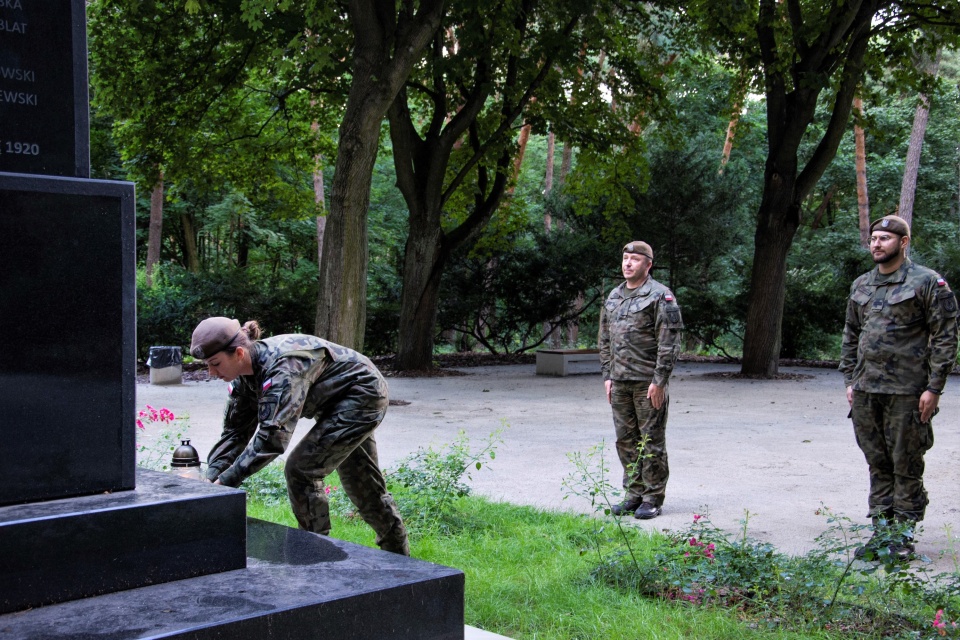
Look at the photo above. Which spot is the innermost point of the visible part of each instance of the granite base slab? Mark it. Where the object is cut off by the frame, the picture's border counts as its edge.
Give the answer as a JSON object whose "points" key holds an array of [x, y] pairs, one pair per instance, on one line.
{"points": [[168, 528], [296, 585]]}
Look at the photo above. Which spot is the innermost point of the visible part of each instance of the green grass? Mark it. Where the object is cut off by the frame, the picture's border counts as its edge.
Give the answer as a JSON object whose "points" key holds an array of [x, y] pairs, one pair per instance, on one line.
{"points": [[528, 578]]}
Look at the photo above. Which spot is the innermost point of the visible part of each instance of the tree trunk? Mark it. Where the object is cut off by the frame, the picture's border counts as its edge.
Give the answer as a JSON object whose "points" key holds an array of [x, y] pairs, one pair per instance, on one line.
{"points": [[424, 260], [908, 189], [548, 179], [863, 198], [385, 49], [566, 161], [243, 243], [521, 149], [772, 241], [190, 254], [320, 198], [731, 133], [743, 80], [341, 310], [155, 232], [790, 111]]}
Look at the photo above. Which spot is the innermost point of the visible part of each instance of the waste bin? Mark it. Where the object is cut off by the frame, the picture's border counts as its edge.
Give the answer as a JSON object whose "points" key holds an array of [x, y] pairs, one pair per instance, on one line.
{"points": [[166, 365]]}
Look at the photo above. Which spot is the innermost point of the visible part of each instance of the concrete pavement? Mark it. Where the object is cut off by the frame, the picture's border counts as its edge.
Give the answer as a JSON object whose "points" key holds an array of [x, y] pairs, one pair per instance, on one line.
{"points": [[776, 449]]}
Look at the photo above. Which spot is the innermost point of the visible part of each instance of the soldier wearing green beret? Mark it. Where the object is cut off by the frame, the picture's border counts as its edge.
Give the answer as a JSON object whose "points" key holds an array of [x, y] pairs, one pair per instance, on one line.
{"points": [[640, 330], [899, 345], [272, 384]]}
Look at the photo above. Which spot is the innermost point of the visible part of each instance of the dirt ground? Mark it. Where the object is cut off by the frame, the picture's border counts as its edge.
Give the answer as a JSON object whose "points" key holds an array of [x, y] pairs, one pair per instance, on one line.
{"points": [[777, 450]]}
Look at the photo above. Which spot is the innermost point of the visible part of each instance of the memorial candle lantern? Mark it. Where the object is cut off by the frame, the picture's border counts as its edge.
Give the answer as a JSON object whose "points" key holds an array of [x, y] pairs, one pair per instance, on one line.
{"points": [[186, 461]]}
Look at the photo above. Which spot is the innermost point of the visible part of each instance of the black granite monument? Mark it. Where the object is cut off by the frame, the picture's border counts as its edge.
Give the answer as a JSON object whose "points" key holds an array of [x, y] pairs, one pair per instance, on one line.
{"points": [[90, 546]]}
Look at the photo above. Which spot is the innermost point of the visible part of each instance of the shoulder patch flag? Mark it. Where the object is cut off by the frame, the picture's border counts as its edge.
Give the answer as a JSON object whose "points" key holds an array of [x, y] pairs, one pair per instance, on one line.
{"points": [[668, 297], [268, 384], [941, 282]]}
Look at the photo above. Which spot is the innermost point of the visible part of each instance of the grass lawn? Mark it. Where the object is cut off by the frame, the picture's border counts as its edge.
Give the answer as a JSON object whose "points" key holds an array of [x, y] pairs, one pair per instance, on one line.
{"points": [[528, 576]]}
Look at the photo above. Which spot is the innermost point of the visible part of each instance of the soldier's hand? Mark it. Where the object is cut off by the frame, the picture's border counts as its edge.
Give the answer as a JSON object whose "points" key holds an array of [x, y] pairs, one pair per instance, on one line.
{"points": [[609, 385], [850, 395], [656, 395], [928, 404]]}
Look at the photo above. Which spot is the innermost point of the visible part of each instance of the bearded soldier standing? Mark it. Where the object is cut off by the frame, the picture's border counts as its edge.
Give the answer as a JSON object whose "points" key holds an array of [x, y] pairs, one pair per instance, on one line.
{"points": [[899, 345], [640, 328]]}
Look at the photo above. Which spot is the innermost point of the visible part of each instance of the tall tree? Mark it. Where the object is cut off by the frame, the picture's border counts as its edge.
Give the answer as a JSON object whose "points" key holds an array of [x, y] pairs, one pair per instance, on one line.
{"points": [[911, 168], [387, 42], [507, 55], [860, 161], [808, 51], [155, 233]]}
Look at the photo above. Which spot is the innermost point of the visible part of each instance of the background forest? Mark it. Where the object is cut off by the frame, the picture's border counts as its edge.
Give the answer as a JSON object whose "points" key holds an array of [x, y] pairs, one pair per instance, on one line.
{"points": [[533, 160]]}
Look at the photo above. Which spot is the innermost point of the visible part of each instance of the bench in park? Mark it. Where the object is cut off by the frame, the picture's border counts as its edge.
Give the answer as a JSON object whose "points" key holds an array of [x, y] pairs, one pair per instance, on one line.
{"points": [[553, 362]]}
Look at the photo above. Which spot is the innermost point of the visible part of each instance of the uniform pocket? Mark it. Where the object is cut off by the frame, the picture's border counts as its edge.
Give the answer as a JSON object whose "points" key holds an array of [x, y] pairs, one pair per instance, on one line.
{"points": [[905, 308], [924, 430]]}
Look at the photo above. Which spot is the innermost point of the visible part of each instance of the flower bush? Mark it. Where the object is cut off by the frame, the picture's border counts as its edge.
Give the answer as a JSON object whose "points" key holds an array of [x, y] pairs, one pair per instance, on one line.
{"points": [[159, 432]]}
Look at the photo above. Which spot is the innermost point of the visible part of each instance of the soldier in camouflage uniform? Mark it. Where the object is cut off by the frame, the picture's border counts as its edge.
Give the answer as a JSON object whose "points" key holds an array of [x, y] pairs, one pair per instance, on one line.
{"points": [[899, 345], [640, 329], [276, 381]]}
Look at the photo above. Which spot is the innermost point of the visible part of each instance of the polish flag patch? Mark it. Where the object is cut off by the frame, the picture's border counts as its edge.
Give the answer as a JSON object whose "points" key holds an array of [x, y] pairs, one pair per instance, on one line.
{"points": [[668, 298], [229, 388], [941, 282], [268, 384]]}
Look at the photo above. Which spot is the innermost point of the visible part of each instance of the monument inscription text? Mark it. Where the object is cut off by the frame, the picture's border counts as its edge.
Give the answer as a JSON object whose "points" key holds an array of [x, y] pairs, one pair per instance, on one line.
{"points": [[41, 106]]}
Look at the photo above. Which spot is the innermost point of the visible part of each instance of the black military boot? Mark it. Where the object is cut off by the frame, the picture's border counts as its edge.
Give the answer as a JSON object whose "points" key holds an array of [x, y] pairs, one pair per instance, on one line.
{"points": [[902, 546], [626, 506], [646, 511]]}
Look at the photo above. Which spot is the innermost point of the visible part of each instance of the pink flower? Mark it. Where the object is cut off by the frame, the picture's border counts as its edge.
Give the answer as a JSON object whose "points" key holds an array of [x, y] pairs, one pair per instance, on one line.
{"points": [[140, 424], [938, 622], [696, 517]]}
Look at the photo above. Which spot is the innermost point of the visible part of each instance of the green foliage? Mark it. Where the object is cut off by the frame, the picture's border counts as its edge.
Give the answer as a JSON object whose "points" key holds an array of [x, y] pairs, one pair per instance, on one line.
{"points": [[432, 480], [168, 311], [695, 218], [268, 487], [502, 302], [746, 590], [703, 566], [209, 95]]}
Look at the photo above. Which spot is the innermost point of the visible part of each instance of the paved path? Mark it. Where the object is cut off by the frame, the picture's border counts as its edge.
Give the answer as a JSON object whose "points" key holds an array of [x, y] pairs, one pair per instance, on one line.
{"points": [[776, 449]]}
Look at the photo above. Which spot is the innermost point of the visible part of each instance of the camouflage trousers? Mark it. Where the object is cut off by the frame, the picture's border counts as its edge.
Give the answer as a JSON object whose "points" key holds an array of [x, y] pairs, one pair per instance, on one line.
{"points": [[893, 440], [342, 440], [638, 425]]}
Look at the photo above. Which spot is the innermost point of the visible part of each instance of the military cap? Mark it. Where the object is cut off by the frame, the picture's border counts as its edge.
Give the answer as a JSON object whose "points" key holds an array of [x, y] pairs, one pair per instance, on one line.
{"points": [[213, 335], [893, 224], [638, 246]]}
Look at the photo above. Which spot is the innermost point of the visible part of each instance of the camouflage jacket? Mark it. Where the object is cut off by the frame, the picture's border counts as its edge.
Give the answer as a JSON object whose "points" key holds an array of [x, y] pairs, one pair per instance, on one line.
{"points": [[900, 335], [294, 376], [640, 334]]}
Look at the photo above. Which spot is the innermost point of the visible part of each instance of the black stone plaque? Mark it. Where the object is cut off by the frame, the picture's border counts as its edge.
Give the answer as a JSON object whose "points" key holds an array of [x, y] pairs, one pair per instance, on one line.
{"points": [[67, 365], [168, 528], [44, 119], [296, 585]]}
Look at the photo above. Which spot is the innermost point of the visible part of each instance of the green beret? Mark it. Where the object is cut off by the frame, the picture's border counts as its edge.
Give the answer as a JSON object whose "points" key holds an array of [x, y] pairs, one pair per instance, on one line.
{"points": [[639, 246], [893, 224]]}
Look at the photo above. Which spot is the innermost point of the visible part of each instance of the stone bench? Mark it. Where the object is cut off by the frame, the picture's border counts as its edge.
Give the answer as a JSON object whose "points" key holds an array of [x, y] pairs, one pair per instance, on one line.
{"points": [[553, 362]]}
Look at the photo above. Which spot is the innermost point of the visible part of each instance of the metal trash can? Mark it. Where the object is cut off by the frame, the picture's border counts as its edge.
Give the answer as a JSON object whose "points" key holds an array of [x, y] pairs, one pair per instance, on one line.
{"points": [[166, 365]]}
